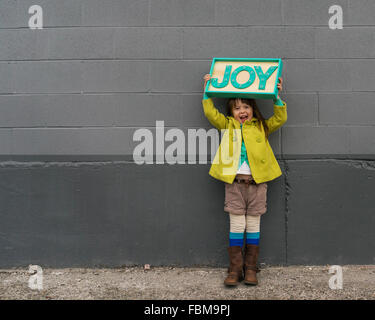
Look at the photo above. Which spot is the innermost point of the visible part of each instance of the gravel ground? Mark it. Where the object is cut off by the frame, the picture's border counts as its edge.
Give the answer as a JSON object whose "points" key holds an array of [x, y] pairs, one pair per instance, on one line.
{"points": [[136, 283]]}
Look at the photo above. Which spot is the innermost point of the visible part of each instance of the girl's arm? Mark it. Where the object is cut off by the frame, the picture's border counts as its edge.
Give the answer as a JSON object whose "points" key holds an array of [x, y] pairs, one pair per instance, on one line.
{"points": [[217, 119], [279, 117], [279, 112]]}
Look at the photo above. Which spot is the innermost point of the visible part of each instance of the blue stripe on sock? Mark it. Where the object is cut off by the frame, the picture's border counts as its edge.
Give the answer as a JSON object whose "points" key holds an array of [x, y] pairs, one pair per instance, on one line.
{"points": [[235, 235], [235, 242], [252, 241], [236, 239], [252, 235]]}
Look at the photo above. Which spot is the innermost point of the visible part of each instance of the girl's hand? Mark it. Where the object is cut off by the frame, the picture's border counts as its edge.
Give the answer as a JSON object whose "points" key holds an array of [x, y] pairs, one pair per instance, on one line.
{"points": [[206, 78], [280, 86]]}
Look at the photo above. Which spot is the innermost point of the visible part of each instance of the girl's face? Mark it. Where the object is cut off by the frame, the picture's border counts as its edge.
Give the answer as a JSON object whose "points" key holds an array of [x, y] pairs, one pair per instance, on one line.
{"points": [[242, 111]]}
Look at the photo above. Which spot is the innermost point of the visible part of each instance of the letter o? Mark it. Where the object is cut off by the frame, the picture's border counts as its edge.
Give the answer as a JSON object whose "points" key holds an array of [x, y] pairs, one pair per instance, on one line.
{"points": [[233, 78]]}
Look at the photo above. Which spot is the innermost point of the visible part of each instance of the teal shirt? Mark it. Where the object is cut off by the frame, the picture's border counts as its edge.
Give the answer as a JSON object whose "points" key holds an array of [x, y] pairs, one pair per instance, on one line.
{"points": [[243, 156]]}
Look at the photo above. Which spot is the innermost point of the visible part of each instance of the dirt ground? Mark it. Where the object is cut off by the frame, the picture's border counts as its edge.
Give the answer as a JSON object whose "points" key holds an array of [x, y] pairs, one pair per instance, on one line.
{"points": [[136, 283]]}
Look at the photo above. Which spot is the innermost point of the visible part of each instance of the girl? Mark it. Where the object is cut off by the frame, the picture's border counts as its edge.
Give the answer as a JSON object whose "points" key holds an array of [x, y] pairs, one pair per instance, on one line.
{"points": [[245, 162]]}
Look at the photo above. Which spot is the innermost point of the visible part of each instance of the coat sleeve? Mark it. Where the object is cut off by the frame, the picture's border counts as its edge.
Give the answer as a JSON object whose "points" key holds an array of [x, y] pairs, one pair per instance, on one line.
{"points": [[279, 117], [217, 119]]}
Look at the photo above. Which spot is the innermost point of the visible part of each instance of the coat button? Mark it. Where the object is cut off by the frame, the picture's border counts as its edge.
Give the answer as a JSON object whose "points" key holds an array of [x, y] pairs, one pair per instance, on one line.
{"points": [[263, 161], [259, 139]]}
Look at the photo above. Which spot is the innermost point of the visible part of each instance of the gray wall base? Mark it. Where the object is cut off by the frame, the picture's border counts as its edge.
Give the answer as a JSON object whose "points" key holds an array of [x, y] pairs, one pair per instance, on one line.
{"points": [[112, 214]]}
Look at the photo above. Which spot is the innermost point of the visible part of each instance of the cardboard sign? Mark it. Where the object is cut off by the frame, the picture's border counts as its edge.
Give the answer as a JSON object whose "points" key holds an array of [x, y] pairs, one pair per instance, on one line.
{"points": [[244, 78]]}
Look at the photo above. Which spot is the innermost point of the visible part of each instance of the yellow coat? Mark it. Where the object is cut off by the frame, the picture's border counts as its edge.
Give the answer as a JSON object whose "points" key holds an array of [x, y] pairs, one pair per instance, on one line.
{"points": [[263, 164]]}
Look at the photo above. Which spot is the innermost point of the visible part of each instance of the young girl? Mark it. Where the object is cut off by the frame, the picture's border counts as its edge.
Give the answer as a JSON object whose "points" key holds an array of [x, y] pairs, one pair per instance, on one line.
{"points": [[245, 162]]}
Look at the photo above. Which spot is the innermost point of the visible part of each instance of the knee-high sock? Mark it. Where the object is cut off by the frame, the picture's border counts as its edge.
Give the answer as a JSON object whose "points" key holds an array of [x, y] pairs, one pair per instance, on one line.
{"points": [[252, 229], [237, 229]]}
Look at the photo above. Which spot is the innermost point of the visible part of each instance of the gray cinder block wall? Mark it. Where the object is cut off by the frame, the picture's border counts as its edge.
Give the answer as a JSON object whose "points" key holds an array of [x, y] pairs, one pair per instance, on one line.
{"points": [[73, 93]]}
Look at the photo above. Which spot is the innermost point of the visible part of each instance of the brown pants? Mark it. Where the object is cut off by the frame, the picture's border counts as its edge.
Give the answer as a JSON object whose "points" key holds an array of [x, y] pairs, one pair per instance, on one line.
{"points": [[245, 199]]}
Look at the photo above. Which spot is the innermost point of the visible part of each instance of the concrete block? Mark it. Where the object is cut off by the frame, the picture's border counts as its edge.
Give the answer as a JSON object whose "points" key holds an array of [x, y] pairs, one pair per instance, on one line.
{"points": [[8, 77], [244, 13], [318, 75], [330, 208], [139, 110], [78, 110], [24, 44], [6, 141], [8, 14], [115, 76], [315, 141], [313, 13], [192, 114], [48, 77], [24, 110], [362, 140], [207, 43], [281, 42], [72, 141], [345, 43], [115, 13], [354, 108], [80, 43], [148, 43], [182, 13], [56, 13], [360, 12], [178, 76], [57, 110], [302, 108], [362, 75]]}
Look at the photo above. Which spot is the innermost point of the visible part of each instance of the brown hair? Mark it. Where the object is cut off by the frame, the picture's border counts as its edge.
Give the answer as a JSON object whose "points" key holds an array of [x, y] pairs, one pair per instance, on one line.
{"points": [[252, 103]]}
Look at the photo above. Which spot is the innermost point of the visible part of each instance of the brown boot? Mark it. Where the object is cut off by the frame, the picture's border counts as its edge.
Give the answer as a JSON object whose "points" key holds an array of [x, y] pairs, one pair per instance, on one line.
{"points": [[250, 264], [236, 266]]}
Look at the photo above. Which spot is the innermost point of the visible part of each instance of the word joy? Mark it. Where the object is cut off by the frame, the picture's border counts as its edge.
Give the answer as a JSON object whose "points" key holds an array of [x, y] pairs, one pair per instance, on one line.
{"points": [[228, 74]]}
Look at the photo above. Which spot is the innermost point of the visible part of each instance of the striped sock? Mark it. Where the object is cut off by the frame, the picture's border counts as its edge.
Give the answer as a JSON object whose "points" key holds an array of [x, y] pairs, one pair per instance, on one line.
{"points": [[237, 229], [236, 239], [252, 238], [252, 229]]}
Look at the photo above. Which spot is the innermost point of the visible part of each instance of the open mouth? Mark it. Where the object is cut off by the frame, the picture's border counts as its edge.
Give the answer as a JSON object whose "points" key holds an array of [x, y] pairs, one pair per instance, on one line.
{"points": [[244, 118]]}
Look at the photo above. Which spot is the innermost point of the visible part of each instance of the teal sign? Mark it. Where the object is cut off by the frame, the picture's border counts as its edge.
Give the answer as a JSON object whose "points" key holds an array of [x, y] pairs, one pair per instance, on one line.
{"points": [[261, 79]]}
